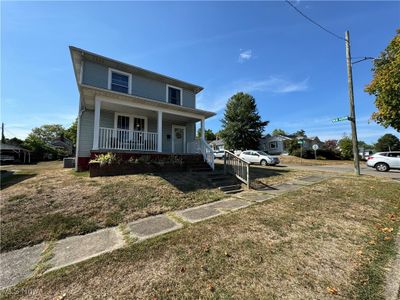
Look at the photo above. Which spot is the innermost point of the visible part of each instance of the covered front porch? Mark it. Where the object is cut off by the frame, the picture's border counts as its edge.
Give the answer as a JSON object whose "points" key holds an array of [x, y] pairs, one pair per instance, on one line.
{"points": [[127, 127]]}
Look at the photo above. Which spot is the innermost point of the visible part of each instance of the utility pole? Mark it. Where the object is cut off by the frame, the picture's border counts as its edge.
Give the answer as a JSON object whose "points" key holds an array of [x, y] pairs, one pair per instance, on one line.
{"points": [[3, 138], [352, 118]]}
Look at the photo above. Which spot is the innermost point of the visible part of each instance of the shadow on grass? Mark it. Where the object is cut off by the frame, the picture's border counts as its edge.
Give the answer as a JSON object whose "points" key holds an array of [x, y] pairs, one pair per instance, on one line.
{"points": [[187, 181], [259, 172], [14, 179]]}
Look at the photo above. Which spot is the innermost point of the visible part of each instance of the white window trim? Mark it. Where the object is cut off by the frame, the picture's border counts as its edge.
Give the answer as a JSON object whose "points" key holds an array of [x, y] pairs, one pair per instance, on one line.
{"points": [[131, 120], [111, 70], [184, 137], [175, 87]]}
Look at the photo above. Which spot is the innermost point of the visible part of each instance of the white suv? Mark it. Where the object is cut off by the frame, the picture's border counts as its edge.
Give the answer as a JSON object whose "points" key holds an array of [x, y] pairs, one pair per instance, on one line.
{"points": [[384, 161], [259, 157]]}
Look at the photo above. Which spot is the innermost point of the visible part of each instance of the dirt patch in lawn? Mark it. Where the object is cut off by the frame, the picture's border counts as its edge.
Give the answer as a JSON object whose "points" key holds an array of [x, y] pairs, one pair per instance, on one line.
{"points": [[57, 202], [311, 244]]}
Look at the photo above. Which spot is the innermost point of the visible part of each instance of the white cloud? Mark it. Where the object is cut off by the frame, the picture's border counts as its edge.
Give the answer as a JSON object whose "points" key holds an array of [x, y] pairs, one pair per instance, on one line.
{"points": [[245, 55], [216, 101], [274, 84]]}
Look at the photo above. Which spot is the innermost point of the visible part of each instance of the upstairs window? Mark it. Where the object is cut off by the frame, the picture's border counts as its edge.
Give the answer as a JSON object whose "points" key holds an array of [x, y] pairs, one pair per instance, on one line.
{"points": [[119, 81], [174, 95]]}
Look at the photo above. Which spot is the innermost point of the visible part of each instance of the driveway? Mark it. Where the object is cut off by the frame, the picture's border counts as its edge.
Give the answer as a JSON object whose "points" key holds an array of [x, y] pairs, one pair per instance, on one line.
{"points": [[343, 169]]}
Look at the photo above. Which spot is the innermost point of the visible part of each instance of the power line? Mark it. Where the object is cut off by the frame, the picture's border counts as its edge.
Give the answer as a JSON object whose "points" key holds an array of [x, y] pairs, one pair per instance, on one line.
{"points": [[314, 22]]}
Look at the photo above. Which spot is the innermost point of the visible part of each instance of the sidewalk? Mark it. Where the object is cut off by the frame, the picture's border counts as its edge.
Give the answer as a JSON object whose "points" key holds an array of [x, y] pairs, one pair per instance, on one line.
{"points": [[32, 261]]}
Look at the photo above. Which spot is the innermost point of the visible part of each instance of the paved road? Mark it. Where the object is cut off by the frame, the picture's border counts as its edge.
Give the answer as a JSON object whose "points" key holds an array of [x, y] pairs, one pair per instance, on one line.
{"points": [[394, 174]]}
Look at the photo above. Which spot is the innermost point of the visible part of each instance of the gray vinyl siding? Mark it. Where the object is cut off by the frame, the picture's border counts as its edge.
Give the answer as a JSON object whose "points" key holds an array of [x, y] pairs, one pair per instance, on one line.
{"points": [[107, 119], [190, 132], [86, 133], [96, 75], [149, 88], [167, 131], [189, 99]]}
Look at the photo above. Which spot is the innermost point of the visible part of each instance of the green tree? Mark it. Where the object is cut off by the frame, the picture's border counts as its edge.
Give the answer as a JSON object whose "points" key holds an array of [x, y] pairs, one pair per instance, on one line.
{"points": [[278, 131], [40, 137], [292, 146], [300, 133], [48, 133], [385, 85], [38, 147], [346, 147], [71, 132], [386, 142], [242, 126], [208, 134], [364, 145]]}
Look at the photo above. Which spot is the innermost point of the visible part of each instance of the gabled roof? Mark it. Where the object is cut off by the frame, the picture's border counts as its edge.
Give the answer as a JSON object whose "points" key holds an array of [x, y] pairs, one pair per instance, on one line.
{"points": [[78, 55]]}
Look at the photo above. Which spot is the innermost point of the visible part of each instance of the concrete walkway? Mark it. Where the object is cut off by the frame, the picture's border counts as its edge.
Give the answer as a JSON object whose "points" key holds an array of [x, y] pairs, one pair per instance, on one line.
{"points": [[31, 261]]}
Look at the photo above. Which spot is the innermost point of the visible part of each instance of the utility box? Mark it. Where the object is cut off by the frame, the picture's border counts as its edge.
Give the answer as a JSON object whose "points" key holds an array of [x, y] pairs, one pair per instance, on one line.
{"points": [[69, 162]]}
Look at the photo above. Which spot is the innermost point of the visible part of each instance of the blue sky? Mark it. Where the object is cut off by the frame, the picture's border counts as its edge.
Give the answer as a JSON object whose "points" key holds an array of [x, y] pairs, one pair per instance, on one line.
{"points": [[296, 72]]}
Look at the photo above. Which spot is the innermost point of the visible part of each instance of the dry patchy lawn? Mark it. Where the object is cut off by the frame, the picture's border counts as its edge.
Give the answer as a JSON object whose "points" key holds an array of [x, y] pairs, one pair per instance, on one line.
{"points": [[46, 202], [288, 159], [51, 202], [326, 241]]}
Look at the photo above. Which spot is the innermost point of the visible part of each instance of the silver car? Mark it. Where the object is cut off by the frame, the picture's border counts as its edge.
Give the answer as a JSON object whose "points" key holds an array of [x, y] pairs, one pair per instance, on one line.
{"points": [[384, 161], [259, 157], [219, 154]]}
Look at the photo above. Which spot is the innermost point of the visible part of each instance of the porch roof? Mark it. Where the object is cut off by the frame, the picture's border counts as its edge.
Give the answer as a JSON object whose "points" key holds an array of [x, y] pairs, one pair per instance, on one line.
{"points": [[89, 94]]}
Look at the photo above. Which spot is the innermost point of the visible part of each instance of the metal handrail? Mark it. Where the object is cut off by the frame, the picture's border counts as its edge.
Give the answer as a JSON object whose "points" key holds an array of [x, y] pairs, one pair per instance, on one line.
{"points": [[237, 166]]}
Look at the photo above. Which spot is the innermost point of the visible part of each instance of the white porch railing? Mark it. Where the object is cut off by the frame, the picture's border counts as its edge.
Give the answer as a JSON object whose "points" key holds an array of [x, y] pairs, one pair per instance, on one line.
{"points": [[200, 146], [238, 167], [120, 139]]}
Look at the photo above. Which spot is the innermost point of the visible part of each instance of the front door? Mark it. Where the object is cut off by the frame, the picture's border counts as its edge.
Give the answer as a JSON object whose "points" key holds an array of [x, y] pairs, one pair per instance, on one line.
{"points": [[178, 139]]}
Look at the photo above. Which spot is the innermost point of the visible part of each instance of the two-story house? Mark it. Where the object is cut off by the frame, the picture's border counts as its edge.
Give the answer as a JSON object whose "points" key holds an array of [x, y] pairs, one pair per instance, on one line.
{"points": [[124, 108]]}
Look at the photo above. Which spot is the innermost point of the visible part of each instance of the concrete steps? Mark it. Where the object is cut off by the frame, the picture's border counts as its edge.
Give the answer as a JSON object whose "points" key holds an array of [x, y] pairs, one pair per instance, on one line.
{"points": [[226, 183]]}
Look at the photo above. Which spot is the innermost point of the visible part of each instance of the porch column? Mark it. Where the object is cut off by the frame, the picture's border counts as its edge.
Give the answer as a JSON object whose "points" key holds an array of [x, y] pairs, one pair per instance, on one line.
{"points": [[202, 129], [97, 107], [159, 131]]}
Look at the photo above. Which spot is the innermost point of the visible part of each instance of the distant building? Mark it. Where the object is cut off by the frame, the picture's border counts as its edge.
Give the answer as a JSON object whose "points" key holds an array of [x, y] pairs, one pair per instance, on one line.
{"points": [[277, 144], [274, 144], [218, 144], [12, 153]]}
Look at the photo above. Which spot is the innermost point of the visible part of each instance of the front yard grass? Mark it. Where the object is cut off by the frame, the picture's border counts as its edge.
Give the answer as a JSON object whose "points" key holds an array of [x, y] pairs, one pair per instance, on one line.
{"points": [[327, 241], [51, 203]]}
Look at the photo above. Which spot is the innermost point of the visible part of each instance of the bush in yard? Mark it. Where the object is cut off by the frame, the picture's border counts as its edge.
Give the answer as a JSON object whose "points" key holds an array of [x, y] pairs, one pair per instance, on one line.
{"points": [[321, 154], [106, 159], [346, 147]]}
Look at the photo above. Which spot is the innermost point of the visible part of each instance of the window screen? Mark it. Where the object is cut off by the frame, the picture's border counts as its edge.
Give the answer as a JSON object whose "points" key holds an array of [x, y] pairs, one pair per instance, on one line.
{"points": [[174, 96], [119, 82]]}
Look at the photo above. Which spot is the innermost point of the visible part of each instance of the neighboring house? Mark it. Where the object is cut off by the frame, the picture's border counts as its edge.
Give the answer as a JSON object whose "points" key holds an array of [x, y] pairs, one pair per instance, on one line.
{"points": [[274, 144], [124, 108], [65, 144], [217, 145], [13, 153], [310, 141]]}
